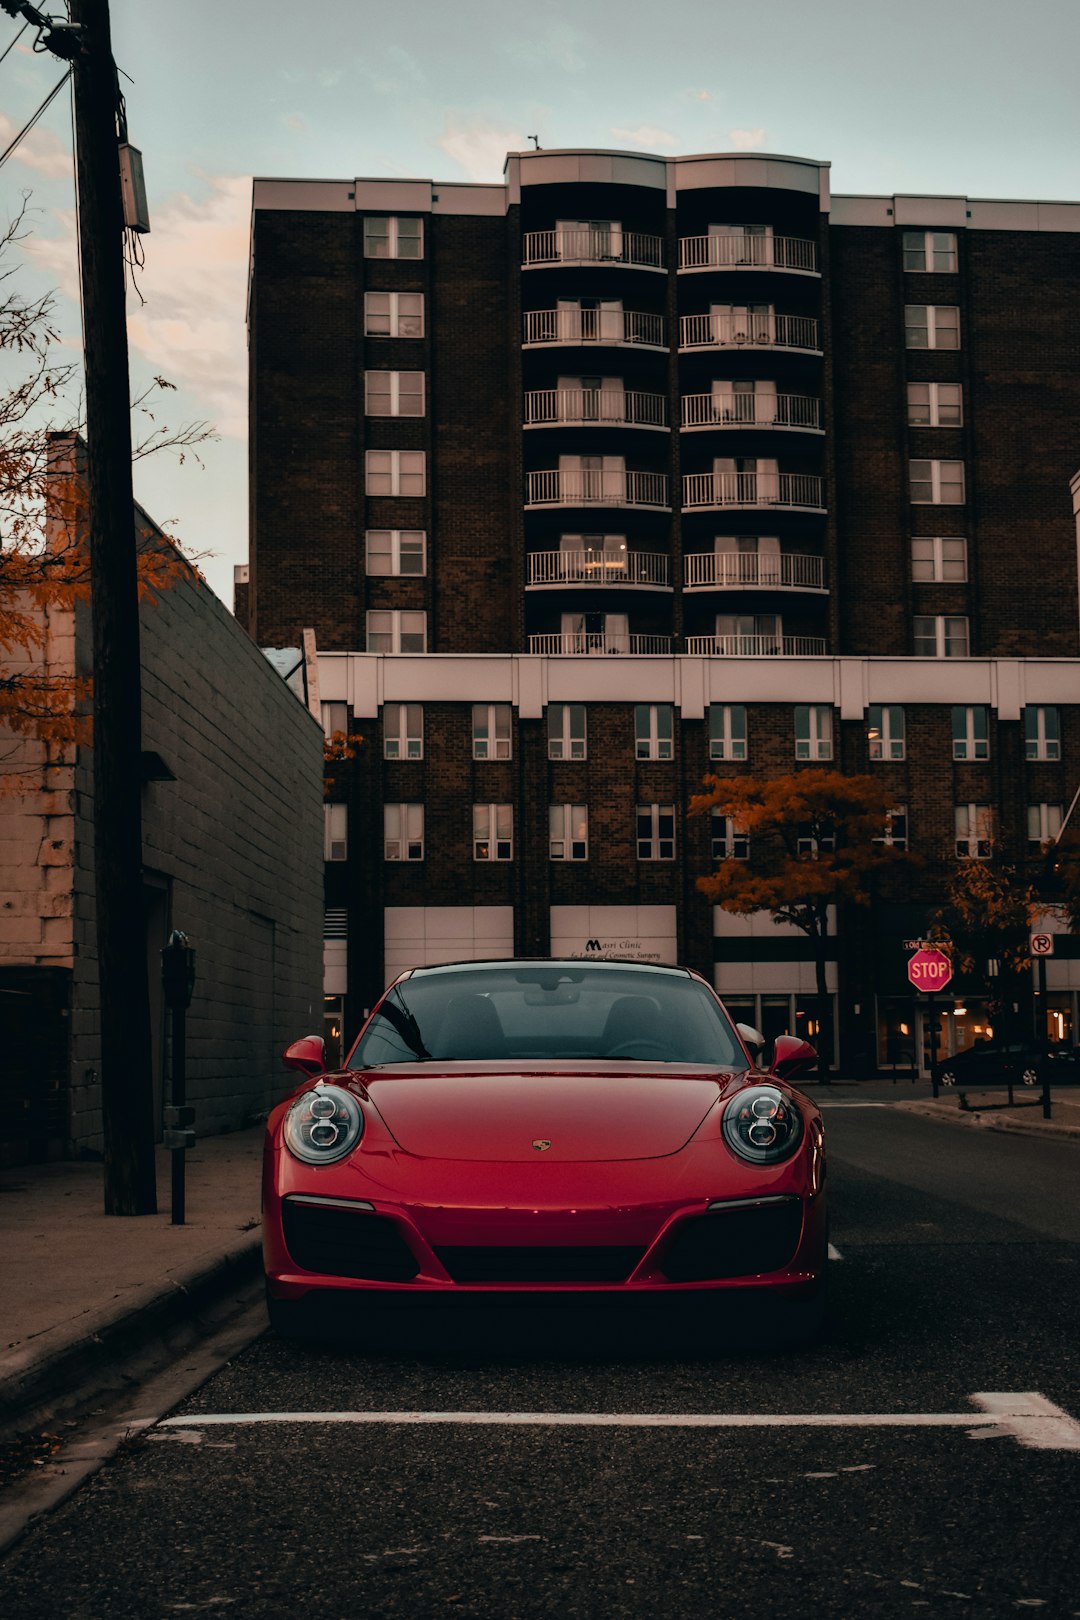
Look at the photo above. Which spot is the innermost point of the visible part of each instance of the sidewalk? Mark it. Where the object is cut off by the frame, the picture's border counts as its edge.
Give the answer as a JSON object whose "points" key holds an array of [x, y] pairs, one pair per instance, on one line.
{"points": [[81, 1288], [989, 1110]]}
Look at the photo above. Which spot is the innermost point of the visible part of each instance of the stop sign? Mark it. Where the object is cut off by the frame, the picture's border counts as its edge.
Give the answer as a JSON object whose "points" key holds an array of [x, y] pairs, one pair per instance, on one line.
{"points": [[929, 969]]}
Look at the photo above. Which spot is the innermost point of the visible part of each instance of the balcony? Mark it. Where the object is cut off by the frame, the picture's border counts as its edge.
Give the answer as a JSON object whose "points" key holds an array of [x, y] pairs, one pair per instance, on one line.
{"points": [[737, 646], [610, 407], [796, 253], [708, 490], [608, 246], [621, 328], [749, 331], [595, 643], [798, 411], [742, 570], [645, 568], [589, 487]]}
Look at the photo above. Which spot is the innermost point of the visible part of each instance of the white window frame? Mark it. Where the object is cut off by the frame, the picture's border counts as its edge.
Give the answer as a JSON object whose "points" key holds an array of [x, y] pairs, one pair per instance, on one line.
{"points": [[416, 543], [728, 841], [974, 744], [402, 465], [563, 742], [1037, 744], [974, 829], [395, 393], [807, 844], [489, 847], [335, 832], [937, 561], [818, 741], [655, 844], [403, 731], [930, 245], [891, 740], [945, 634], [394, 237], [897, 813], [648, 743], [394, 315], [936, 400], [403, 832], [335, 717], [397, 624], [940, 323], [935, 481], [723, 741], [1046, 819], [565, 823], [487, 742]]}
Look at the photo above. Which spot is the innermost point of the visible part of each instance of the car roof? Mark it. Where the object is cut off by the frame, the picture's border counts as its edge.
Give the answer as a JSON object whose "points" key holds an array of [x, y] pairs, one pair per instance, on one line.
{"points": [[510, 963]]}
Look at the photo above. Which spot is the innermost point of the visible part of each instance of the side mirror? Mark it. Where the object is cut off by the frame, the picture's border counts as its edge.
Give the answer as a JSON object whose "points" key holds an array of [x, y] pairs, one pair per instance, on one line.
{"points": [[307, 1054], [790, 1056]]}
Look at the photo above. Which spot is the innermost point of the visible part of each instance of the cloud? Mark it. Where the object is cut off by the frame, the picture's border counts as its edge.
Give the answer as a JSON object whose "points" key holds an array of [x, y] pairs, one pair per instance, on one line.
{"points": [[390, 72], [297, 123], [40, 150], [698, 95], [646, 135], [480, 149], [744, 140], [557, 48]]}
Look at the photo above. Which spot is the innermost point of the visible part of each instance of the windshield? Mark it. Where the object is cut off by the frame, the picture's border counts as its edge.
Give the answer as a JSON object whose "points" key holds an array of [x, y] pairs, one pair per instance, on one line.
{"points": [[549, 1010]]}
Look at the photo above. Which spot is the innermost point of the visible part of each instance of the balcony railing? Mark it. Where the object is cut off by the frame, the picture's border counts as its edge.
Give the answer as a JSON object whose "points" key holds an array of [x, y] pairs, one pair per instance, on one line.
{"points": [[751, 410], [622, 326], [736, 252], [749, 331], [593, 246], [580, 405], [737, 646], [592, 487], [593, 568], [727, 570], [597, 642], [751, 489]]}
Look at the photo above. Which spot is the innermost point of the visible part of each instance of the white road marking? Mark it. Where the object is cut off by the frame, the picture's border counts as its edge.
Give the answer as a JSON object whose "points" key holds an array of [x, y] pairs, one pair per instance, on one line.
{"points": [[1028, 1417], [823, 1104], [834, 1252]]}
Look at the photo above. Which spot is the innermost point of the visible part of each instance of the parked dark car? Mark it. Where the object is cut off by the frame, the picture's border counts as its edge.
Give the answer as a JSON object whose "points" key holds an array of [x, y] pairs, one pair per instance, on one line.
{"points": [[1021, 1062]]}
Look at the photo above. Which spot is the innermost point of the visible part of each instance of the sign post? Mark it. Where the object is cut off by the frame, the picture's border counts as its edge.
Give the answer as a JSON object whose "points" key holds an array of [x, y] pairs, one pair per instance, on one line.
{"points": [[930, 970], [1042, 946]]}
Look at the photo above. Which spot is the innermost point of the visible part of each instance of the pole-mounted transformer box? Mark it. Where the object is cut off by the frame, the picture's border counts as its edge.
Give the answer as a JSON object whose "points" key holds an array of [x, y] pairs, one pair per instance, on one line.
{"points": [[133, 187]]}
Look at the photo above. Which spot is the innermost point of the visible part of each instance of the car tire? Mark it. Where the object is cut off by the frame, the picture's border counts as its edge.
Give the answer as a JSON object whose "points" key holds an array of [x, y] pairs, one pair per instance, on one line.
{"points": [[289, 1319], [947, 1078], [1030, 1076]]}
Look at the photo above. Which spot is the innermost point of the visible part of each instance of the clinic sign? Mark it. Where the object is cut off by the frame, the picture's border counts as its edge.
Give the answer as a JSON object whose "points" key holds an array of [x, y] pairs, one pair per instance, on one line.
{"points": [[929, 970]]}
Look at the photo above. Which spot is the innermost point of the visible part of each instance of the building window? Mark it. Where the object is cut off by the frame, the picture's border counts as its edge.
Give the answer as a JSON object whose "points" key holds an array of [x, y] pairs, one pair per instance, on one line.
{"points": [[896, 828], [932, 326], [395, 472], [568, 832], [394, 393], [813, 731], [941, 635], [653, 731], [493, 832], [974, 831], [403, 731], [941, 557], [335, 832], [729, 841], [930, 250], [885, 735], [396, 551], [392, 314], [1042, 733], [655, 832], [935, 404], [335, 717], [937, 483], [815, 841], [970, 731], [403, 832], [727, 731], [566, 731], [392, 236], [394, 631], [1043, 823], [491, 731]]}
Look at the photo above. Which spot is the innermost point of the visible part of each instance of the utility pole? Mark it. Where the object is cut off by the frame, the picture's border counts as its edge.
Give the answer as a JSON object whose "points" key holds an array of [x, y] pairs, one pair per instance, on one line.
{"points": [[84, 40]]}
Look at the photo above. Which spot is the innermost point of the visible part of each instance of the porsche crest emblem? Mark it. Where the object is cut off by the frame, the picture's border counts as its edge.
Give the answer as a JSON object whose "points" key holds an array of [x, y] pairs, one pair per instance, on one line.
{"points": [[541, 1144]]}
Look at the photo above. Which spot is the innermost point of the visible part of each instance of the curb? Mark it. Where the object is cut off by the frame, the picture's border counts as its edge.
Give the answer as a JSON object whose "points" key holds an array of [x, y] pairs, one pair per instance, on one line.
{"points": [[29, 1381], [989, 1122]]}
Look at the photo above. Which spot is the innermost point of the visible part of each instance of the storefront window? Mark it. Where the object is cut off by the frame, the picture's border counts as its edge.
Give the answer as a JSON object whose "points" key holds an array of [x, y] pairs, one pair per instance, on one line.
{"points": [[333, 1030]]}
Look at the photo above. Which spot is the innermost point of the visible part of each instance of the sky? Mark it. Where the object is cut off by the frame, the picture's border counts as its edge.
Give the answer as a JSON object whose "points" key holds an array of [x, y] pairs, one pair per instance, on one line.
{"points": [[975, 97]]}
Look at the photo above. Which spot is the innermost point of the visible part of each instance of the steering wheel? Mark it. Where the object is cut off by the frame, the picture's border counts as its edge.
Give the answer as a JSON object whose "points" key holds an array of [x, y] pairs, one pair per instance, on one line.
{"points": [[632, 1048]]}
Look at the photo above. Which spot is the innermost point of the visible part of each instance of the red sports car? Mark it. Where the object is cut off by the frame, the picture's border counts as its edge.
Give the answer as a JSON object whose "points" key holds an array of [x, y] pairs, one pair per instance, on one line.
{"points": [[545, 1126]]}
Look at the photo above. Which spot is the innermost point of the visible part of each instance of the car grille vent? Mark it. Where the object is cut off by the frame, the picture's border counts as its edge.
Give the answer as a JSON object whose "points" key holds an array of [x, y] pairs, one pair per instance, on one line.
{"points": [[537, 1264], [347, 1243], [734, 1242]]}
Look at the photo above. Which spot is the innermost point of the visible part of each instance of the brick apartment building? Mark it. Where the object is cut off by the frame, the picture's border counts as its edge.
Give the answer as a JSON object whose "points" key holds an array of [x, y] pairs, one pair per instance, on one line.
{"points": [[637, 467]]}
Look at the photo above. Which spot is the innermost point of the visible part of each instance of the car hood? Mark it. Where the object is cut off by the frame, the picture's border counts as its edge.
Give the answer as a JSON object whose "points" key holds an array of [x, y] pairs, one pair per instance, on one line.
{"points": [[501, 1113]]}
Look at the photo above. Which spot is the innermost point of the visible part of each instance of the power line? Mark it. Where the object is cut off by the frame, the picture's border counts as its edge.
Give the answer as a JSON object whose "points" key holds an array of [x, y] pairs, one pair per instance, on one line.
{"points": [[15, 41], [53, 93]]}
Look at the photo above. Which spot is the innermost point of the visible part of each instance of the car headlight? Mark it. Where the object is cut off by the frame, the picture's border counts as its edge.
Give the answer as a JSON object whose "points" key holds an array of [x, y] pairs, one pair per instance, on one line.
{"points": [[323, 1125], [762, 1125]]}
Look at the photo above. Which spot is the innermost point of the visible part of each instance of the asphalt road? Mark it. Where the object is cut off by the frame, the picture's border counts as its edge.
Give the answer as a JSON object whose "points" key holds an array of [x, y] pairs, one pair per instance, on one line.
{"points": [[960, 1259]]}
